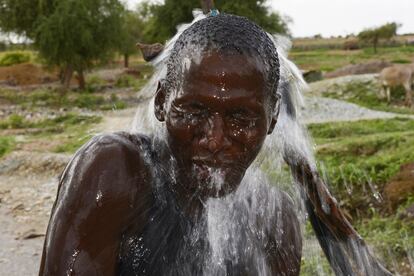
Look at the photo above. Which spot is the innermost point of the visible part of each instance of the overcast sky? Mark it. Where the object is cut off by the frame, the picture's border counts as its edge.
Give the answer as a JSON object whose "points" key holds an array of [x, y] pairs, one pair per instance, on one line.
{"points": [[340, 17]]}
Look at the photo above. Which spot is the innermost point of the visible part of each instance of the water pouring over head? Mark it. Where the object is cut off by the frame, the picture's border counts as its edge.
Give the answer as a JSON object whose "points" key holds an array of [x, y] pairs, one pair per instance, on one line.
{"points": [[219, 101], [216, 104]]}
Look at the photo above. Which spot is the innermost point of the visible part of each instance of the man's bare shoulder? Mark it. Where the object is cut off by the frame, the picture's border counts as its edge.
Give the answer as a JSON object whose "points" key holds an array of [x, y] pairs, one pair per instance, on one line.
{"points": [[110, 165], [103, 189], [113, 152]]}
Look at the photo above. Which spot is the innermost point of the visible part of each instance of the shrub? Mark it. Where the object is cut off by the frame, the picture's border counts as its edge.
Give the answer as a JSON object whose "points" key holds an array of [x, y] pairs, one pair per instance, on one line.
{"points": [[125, 81], [3, 46], [13, 121], [12, 58], [6, 145], [89, 101]]}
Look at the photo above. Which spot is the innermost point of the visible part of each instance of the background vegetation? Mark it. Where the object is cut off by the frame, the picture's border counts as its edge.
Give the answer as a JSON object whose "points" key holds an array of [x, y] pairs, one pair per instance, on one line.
{"points": [[95, 39]]}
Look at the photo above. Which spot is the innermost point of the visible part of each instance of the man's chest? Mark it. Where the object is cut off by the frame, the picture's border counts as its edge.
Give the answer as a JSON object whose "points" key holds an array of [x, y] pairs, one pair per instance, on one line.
{"points": [[169, 245]]}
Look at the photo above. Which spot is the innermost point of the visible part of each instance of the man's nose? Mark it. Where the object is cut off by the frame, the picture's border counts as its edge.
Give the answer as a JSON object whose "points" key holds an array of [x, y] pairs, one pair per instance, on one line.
{"points": [[215, 138]]}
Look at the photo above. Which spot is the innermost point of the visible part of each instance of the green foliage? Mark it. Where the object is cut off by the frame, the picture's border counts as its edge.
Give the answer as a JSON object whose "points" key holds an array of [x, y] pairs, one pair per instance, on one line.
{"points": [[392, 237], [343, 130], [42, 98], [12, 58], [257, 11], [125, 81], [360, 157], [22, 16], [373, 35], [163, 19], [47, 125], [3, 46], [79, 33], [71, 34], [94, 83], [74, 144], [71, 129], [6, 145], [131, 32], [366, 94], [328, 60], [13, 121], [316, 264], [77, 133], [401, 61], [89, 101], [116, 103]]}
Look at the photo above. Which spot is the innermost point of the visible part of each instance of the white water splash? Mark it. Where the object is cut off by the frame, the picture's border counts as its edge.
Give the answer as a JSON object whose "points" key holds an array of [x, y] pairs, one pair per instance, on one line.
{"points": [[236, 224]]}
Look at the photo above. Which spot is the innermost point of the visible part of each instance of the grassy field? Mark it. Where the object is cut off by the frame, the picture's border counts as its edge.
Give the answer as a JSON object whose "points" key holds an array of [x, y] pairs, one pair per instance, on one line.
{"points": [[366, 94], [359, 158], [329, 60], [70, 131], [359, 154]]}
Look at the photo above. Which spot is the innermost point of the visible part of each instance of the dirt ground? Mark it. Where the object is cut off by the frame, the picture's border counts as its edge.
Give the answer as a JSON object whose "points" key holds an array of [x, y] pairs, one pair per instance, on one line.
{"points": [[26, 74], [28, 186]]}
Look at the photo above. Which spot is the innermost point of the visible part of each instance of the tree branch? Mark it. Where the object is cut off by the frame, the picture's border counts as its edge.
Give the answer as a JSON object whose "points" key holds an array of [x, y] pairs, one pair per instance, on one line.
{"points": [[207, 5]]}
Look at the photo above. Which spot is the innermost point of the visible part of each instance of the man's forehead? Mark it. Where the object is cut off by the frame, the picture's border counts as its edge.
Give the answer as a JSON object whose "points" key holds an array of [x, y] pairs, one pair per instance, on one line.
{"points": [[224, 74], [215, 63]]}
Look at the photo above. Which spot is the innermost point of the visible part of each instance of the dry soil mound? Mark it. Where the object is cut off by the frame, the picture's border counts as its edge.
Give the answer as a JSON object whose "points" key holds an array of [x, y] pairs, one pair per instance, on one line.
{"points": [[25, 74]]}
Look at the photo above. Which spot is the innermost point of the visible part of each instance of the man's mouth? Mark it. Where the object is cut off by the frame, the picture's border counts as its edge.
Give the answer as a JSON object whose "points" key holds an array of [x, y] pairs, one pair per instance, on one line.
{"points": [[211, 176], [210, 161]]}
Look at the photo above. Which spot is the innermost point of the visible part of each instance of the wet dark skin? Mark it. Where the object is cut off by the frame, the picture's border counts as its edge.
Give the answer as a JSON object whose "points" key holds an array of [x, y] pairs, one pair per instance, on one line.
{"points": [[219, 120]]}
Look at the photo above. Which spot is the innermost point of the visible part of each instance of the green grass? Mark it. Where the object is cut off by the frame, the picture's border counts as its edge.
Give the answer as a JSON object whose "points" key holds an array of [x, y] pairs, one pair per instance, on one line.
{"points": [[54, 99], [126, 81], [71, 130], [329, 60], [360, 157], [7, 144], [15, 57], [76, 132], [48, 125], [315, 265], [354, 129], [74, 142], [366, 94], [391, 236]]}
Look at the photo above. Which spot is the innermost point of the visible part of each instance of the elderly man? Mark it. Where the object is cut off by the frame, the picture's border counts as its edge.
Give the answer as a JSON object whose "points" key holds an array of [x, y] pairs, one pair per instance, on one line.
{"points": [[181, 204]]}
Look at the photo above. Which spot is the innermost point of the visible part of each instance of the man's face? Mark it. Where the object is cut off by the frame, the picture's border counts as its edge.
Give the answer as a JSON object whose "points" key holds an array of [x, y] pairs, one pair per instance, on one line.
{"points": [[217, 123]]}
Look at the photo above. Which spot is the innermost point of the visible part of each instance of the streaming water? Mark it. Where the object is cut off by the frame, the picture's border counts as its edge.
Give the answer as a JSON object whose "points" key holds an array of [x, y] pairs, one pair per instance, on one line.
{"points": [[234, 229]]}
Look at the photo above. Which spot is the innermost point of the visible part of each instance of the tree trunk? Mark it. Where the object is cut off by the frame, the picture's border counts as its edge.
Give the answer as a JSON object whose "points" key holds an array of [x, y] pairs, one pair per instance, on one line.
{"points": [[375, 44], [81, 79], [126, 60], [62, 75], [207, 5], [67, 77]]}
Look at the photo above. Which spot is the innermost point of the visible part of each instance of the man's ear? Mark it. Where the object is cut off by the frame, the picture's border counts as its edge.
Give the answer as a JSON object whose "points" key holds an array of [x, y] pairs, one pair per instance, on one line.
{"points": [[274, 118], [159, 103]]}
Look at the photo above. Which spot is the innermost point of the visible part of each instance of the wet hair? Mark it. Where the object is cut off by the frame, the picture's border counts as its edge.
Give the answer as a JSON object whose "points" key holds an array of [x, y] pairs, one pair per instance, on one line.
{"points": [[228, 34]]}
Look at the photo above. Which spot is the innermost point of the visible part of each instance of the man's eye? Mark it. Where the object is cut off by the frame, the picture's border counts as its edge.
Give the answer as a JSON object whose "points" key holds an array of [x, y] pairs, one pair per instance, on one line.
{"points": [[243, 118], [190, 112]]}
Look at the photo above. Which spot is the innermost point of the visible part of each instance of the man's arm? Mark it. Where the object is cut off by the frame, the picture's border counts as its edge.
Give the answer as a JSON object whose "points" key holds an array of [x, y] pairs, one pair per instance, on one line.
{"points": [[98, 197], [345, 249]]}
